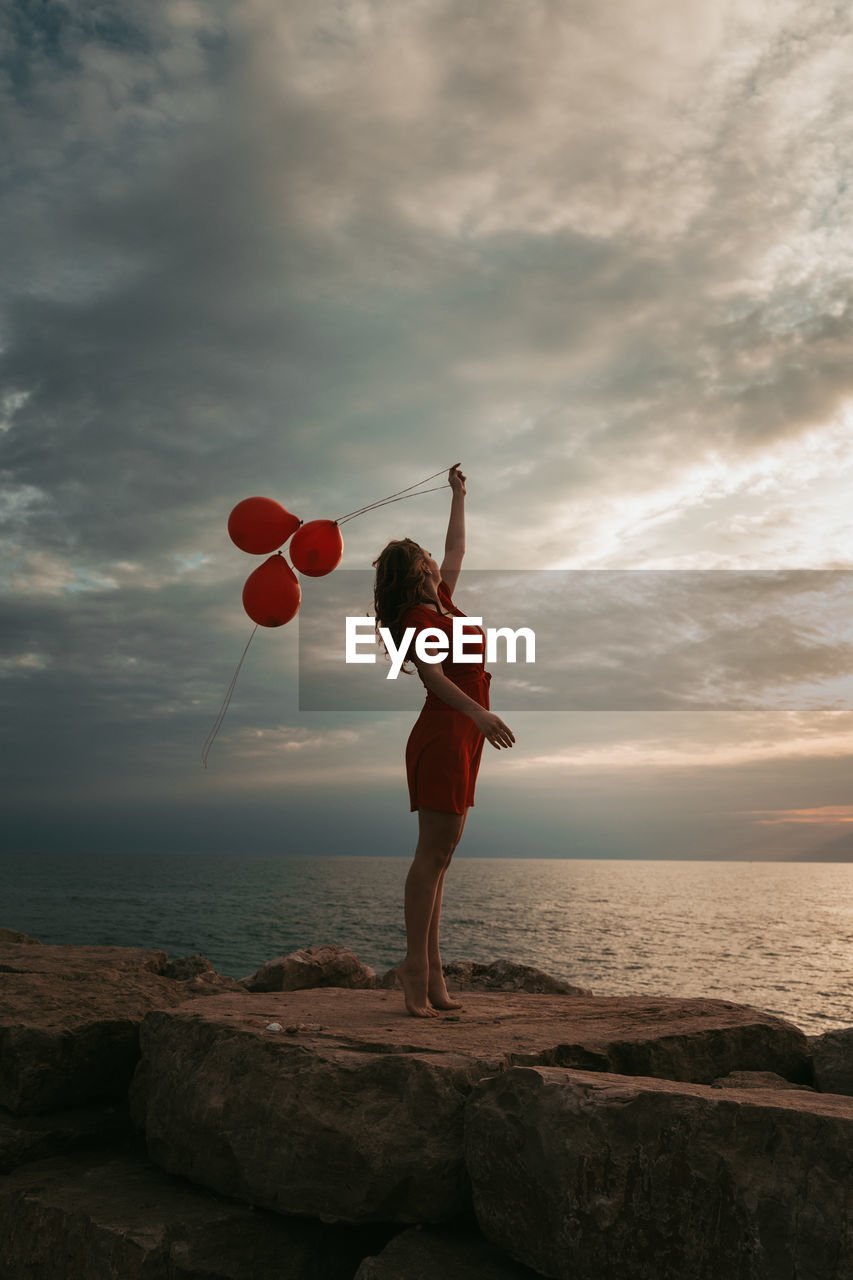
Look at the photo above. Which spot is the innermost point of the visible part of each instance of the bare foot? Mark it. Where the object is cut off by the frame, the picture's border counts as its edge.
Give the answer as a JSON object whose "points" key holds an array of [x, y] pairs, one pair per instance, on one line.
{"points": [[414, 984], [439, 997]]}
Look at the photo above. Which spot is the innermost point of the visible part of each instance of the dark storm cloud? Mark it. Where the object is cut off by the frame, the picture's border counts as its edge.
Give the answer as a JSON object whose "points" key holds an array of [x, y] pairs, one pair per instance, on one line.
{"points": [[288, 269], [110, 326]]}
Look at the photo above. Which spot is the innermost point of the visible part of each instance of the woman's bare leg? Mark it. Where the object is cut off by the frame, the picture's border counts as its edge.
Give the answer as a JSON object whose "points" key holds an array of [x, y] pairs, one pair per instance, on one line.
{"points": [[437, 838], [437, 988]]}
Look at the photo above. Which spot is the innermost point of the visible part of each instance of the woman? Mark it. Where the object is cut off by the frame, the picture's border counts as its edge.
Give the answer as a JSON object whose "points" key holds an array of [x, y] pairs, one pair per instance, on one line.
{"points": [[444, 748]]}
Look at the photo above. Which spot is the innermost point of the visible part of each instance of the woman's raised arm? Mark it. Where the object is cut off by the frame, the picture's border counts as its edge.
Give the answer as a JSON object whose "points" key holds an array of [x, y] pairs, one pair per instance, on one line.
{"points": [[454, 543]]}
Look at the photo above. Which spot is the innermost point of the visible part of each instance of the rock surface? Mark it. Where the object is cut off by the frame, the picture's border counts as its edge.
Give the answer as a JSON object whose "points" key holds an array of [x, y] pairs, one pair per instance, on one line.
{"points": [[327, 966], [59, 962], [185, 968], [12, 935], [497, 975], [833, 1060], [122, 1218], [442, 1253], [26, 1138], [22, 955], [758, 1080], [65, 1042], [583, 1175], [358, 1116], [69, 1020]]}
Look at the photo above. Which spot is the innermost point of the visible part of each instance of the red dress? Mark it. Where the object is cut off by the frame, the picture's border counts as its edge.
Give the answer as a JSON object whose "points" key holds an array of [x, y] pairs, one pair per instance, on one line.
{"points": [[444, 748]]}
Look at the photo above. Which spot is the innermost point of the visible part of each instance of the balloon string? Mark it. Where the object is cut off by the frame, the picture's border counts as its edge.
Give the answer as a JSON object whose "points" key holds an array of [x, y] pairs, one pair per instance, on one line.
{"points": [[217, 724], [399, 496], [386, 501], [394, 496]]}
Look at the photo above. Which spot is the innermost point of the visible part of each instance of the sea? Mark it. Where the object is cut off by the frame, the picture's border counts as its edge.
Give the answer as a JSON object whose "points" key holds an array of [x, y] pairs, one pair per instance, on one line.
{"points": [[777, 936]]}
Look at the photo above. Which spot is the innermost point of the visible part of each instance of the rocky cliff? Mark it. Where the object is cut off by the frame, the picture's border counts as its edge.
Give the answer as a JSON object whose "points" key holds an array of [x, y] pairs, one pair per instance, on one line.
{"points": [[160, 1121]]}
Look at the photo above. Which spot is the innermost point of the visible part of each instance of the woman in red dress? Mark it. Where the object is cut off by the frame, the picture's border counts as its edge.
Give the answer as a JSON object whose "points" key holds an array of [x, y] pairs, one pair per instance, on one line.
{"points": [[444, 748]]}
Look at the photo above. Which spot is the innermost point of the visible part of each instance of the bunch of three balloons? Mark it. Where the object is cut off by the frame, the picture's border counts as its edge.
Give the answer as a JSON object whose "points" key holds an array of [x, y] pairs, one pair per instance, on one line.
{"points": [[272, 595]]}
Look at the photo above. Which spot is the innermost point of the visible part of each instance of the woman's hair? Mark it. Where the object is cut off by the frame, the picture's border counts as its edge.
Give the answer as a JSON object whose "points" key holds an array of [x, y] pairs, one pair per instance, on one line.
{"points": [[399, 585]]}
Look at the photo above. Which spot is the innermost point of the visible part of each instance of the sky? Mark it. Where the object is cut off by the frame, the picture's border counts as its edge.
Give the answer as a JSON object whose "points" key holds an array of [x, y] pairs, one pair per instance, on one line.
{"points": [[599, 254]]}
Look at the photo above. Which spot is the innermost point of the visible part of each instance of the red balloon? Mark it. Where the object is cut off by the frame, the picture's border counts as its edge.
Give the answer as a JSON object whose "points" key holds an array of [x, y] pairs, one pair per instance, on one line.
{"points": [[272, 595], [261, 525], [317, 548]]}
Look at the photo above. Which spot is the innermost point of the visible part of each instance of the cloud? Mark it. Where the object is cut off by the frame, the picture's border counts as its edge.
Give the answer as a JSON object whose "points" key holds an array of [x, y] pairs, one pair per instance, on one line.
{"points": [[17, 664], [610, 640], [824, 816], [318, 251], [656, 754]]}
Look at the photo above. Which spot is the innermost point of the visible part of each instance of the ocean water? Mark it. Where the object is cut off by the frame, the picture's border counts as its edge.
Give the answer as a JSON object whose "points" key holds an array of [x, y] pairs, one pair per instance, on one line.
{"points": [[778, 936]]}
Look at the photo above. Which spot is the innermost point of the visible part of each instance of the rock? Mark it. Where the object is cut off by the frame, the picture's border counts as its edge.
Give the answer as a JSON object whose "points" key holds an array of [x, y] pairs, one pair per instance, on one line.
{"points": [[497, 975], [61, 961], [832, 1054], [199, 976], [757, 1080], [66, 1042], [389, 980], [304, 1123], [26, 1138], [212, 983], [185, 967], [505, 975], [355, 1112], [328, 966], [28, 956], [101, 1219], [582, 1175], [69, 1019], [12, 935], [451, 1253]]}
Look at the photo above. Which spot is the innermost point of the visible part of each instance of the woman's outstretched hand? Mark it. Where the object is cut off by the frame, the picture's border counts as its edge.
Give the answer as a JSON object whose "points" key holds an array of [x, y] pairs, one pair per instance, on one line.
{"points": [[455, 479], [494, 729]]}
